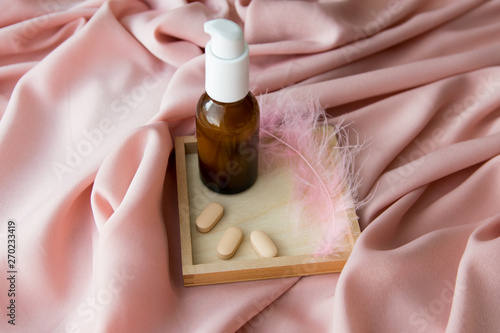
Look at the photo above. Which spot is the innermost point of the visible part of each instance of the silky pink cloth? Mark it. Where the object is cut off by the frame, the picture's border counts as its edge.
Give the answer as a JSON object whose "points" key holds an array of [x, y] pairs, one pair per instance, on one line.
{"points": [[92, 94]]}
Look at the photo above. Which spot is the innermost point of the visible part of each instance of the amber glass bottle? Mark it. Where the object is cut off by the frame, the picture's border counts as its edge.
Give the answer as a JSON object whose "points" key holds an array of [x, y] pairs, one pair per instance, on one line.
{"points": [[227, 114], [228, 138]]}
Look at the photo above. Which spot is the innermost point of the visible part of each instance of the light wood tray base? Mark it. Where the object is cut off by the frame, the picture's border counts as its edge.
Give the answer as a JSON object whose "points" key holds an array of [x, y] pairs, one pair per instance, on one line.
{"points": [[264, 206]]}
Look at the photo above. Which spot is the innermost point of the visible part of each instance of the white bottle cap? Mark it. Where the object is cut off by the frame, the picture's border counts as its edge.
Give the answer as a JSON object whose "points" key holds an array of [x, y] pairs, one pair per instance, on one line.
{"points": [[226, 62]]}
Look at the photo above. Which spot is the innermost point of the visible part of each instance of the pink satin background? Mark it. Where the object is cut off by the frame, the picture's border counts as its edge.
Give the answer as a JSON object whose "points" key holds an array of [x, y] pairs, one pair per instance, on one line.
{"points": [[92, 94]]}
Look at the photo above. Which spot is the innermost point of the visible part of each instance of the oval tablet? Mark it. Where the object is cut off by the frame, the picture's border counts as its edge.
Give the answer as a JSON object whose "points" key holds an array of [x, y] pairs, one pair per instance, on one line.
{"points": [[229, 242], [209, 217], [263, 244]]}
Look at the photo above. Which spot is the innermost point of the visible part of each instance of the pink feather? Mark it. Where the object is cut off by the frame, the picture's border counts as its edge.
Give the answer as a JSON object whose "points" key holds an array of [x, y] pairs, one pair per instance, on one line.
{"points": [[320, 158]]}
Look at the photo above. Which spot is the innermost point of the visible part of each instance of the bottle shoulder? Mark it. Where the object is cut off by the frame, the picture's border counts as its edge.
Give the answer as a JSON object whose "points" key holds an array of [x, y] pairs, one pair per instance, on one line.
{"points": [[230, 116], [249, 102]]}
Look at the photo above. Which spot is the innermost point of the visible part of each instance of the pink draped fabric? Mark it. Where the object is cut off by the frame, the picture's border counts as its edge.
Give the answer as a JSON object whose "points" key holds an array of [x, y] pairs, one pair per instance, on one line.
{"points": [[92, 94]]}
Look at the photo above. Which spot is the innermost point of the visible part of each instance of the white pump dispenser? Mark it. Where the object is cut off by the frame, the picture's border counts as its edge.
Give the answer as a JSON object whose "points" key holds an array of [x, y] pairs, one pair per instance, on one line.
{"points": [[226, 62]]}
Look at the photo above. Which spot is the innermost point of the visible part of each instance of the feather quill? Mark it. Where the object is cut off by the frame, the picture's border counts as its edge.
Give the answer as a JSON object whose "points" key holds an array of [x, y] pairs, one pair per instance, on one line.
{"points": [[315, 147]]}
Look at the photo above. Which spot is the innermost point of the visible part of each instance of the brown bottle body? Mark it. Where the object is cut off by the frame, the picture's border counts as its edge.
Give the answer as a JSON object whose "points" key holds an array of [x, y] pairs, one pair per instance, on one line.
{"points": [[228, 139]]}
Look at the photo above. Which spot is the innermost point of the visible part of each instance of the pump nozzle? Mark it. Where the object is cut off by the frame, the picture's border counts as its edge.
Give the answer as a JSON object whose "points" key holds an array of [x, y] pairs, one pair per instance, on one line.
{"points": [[227, 38], [226, 61]]}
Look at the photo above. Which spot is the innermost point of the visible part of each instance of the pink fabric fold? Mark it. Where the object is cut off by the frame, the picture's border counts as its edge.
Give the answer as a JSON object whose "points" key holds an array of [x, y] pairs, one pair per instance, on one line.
{"points": [[93, 94]]}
